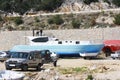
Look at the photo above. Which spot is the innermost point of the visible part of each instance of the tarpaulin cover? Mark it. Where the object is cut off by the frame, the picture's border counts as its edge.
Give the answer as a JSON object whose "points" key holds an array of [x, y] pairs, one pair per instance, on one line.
{"points": [[112, 42]]}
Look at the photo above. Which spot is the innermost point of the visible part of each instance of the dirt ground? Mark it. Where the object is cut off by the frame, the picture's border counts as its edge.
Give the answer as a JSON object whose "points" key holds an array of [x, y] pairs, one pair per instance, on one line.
{"points": [[100, 69], [106, 69]]}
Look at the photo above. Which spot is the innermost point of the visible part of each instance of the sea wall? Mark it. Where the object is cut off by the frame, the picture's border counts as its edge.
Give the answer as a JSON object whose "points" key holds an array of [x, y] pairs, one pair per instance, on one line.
{"points": [[8, 39]]}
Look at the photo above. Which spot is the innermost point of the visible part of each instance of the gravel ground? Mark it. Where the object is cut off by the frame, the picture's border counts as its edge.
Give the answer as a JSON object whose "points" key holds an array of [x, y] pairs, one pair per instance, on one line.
{"points": [[99, 69], [107, 69]]}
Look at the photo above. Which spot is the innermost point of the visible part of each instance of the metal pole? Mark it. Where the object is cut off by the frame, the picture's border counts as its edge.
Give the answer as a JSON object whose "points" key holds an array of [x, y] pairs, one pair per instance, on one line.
{"points": [[33, 32]]}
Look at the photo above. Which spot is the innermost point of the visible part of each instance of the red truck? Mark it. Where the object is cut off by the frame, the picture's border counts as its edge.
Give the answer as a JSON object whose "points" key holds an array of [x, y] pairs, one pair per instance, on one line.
{"points": [[111, 46]]}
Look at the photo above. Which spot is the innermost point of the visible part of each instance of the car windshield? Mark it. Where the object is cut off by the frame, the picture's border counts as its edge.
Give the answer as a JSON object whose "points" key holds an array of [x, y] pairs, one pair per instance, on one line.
{"points": [[2, 53], [19, 55], [44, 52]]}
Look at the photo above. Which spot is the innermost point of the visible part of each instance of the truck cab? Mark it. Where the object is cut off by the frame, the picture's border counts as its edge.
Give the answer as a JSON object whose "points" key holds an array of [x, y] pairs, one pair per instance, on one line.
{"points": [[116, 55], [24, 60]]}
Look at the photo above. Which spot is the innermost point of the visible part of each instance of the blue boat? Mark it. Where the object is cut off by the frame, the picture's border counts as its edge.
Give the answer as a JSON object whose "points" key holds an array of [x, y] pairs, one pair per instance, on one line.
{"points": [[62, 48]]}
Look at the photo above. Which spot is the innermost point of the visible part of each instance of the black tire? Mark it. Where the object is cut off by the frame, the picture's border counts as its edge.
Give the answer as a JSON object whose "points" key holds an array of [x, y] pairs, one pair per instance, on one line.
{"points": [[39, 66], [24, 67], [113, 58], [8, 68], [87, 58], [55, 63], [2, 61], [108, 52]]}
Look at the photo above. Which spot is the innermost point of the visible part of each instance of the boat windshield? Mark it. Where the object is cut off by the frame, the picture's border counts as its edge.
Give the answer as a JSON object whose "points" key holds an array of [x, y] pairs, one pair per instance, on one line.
{"points": [[19, 55], [40, 39]]}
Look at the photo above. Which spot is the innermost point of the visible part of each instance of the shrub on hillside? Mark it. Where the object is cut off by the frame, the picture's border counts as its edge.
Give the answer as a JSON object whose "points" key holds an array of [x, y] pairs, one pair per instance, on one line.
{"points": [[1, 18], [18, 20], [49, 5], [36, 19], [116, 2], [56, 20], [10, 28], [107, 1], [117, 19], [22, 6], [89, 77], [50, 21], [89, 1], [76, 23]]}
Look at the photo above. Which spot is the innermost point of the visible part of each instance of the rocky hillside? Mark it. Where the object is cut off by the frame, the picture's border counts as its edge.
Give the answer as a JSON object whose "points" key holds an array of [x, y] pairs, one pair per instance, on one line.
{"points": [[79, 15], [26, 6], [79, 5]]}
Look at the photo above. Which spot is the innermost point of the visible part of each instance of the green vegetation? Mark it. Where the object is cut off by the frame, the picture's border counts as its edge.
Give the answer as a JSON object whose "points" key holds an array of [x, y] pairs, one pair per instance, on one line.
{"points": [[49, 5], [89, 77], [1, 19], [107, 1], [10, 28], [56, 20], [116, 2], [18, 21], [73, 70], [21, 6], [117, 19], [37, 19], [65, 21], [76, 23], [80, 69], [89, 1]]}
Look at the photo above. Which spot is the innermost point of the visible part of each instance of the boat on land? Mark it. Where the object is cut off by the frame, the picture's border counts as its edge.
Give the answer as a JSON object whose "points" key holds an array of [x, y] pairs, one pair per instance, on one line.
{"points": [[61, 47]]}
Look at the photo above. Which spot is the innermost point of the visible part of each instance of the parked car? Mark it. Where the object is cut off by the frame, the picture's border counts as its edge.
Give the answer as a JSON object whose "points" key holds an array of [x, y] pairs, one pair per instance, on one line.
{"points": [[3, 56], [24, 60], [116, 55]]}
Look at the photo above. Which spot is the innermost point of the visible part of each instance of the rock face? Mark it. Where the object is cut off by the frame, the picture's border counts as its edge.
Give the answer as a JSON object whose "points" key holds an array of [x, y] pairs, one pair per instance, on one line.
{"points": [[78, 5]]}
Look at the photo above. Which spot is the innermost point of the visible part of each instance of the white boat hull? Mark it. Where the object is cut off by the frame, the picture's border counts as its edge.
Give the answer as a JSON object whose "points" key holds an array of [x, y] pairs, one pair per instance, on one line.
{"points": [[63, 49], [11, 75]]}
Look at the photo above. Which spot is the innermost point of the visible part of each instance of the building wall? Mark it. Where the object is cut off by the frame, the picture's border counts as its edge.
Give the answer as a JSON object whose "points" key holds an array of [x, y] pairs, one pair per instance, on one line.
{"points": [[8, 39]]}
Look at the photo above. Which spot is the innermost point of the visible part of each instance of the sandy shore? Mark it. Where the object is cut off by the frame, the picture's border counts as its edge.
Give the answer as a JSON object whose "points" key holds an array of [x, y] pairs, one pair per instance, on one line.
{"points": [[105, 69]]}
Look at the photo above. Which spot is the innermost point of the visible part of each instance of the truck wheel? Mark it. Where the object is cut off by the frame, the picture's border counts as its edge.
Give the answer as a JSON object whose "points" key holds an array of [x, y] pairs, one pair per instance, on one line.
{"points": [[24, 67], [8, 68], [108, 52], [113, 58], [39, 66], [55, 63], [2, 60], [87, 58]]}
